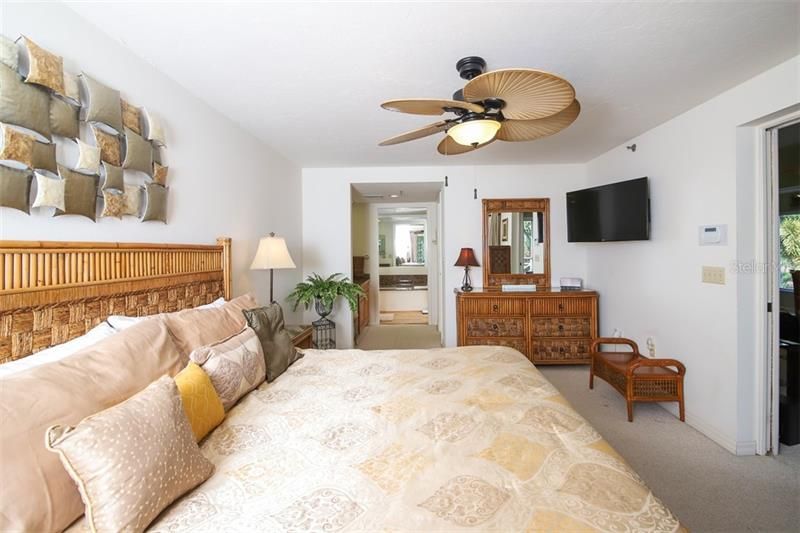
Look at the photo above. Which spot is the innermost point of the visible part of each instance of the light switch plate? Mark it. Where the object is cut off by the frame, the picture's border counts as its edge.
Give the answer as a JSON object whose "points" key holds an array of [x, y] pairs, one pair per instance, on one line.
{"points": [[713, 274]]}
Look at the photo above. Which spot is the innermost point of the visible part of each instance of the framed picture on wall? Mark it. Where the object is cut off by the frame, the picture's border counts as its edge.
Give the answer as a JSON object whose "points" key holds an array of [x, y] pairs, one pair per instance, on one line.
{"points": [[504, 230]]}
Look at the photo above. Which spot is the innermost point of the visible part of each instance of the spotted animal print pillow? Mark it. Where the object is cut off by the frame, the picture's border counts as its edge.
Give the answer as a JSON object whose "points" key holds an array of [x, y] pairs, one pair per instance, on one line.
{"points": [[235, 365]]}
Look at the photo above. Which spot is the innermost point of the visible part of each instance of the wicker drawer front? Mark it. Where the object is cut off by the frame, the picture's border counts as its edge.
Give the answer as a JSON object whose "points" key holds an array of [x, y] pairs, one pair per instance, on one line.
{"points": [[562, 306], [561, 327], [494, 306], [495, 327], [554, 351], [517, 344]]}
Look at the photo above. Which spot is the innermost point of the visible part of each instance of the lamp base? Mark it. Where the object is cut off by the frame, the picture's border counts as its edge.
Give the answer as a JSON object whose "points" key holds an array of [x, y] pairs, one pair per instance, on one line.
{"points": [[466, 285]]}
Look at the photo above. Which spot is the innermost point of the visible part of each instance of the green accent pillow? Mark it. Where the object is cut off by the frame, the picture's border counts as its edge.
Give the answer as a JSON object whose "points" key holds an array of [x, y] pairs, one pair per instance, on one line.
{"points": [[103, 103], [44, 157], [23, 104], [80, 193], [138, 153], [112, 178], [156, 207], [63, 118], [279, 352], [15, 188]]}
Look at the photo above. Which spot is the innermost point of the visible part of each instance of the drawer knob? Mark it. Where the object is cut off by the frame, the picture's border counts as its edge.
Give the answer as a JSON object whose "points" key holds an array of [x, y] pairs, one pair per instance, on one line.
{"points": [[560, 327], [495, 307], [560, 307], [561, 349], [494, 327]]}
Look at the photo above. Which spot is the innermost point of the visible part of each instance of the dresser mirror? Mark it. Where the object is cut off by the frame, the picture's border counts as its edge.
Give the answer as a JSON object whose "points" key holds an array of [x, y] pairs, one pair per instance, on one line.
{"points": [[516, 242]]}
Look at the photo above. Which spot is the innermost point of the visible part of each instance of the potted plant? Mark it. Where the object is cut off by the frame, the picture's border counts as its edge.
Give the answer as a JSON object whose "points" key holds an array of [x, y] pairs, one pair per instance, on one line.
{"points": [[324, 292]]}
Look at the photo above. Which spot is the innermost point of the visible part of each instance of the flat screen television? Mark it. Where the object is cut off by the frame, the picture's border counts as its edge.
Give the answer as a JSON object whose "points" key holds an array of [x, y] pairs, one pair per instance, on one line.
{"points": [[614, 212]]}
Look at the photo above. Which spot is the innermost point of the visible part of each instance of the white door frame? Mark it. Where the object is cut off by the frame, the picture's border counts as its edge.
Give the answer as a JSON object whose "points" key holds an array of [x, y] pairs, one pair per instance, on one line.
{"points": [[767, 329]]}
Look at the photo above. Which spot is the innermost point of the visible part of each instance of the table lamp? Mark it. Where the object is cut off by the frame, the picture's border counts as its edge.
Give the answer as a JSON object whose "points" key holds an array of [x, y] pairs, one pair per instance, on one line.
{"points": [[466, 259], [271, 254]]}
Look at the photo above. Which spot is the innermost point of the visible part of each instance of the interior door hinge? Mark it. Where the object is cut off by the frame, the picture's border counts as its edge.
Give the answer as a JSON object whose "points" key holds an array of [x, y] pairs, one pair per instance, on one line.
{"points": [[769, 307]]}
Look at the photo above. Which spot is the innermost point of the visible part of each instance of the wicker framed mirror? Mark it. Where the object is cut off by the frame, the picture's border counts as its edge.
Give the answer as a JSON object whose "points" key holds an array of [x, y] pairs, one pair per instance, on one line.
{"points": [[516, 242]]}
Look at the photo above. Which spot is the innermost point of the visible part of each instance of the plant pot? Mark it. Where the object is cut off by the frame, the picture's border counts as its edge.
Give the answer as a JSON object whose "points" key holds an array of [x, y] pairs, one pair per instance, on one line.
{"points": [[322, 309]]}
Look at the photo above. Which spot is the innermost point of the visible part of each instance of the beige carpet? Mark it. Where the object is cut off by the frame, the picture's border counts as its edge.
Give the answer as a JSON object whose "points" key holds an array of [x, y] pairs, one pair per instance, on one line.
{"points": [[396, 337], [708, 488]]}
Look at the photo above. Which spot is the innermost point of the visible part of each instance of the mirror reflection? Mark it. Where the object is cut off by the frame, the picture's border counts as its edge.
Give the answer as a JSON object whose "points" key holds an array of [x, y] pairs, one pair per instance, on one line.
{"points": [[401, 239], [516, 242]]}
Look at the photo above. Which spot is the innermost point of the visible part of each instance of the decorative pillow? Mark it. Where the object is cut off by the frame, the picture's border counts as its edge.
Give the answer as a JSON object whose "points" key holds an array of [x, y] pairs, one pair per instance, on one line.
{"points": [[63, 118], [235, 365], [131, 117], [276, 344], [112, 178], [158, 157], [24, 105], [132, 460], [155, 131], [138, 153], [156, 206], [102, 104], [17, 146], [160, 173], [44, 68], [9, 53], [113, 204], [109, 146], [49, 192], [132, 200], [80, 193], [44, 156], [15, 188], [72, 88], [88, 157], [36, 493], [200, 400]]}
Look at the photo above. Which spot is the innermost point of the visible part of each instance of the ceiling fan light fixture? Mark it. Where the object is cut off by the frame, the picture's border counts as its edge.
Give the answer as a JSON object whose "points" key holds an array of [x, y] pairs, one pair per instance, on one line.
{"points": [[474, 132]]}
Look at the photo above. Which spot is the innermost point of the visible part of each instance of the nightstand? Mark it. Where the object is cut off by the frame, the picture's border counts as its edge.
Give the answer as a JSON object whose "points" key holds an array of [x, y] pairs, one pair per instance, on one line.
{"points": [[301, 336]]}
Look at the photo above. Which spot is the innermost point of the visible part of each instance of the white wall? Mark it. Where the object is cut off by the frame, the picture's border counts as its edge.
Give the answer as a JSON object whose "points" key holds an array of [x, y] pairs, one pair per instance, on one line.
{"points": [[223, 181], [326, 215], [653, 288]]}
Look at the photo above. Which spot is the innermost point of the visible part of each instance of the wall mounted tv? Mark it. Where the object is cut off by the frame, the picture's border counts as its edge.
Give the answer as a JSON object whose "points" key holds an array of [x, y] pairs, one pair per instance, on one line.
{"points": [[614, 212]]}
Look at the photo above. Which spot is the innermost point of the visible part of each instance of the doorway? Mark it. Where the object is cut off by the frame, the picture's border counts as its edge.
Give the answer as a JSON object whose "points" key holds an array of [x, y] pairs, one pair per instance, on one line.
{"points": [[783, 157]]}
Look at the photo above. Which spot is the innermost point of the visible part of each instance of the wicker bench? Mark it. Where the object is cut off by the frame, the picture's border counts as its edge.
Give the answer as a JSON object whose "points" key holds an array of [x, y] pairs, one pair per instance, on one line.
{"points": [[635, 377]]}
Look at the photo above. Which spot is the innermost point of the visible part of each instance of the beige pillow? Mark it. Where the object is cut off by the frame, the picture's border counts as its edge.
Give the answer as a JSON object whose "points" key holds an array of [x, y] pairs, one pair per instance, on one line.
{"points": [[156, 206], [72, 88], [15, 189], [276, 344], [44, 157], [138, 153], [112, 178], [44, 68], [109, 146], [23, 104], [235, 365], [193, 328], [160, 173], [155, 130], [113, 204], [131, 461], [88, 158], [49, 192], [36, 493], [80, 194], [131, 117], [63, 118], [132, 199], [9, 53], [102, 104], [17, 146]]}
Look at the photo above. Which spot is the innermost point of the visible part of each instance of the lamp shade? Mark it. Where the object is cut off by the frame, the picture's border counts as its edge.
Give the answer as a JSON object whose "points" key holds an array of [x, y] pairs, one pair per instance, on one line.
{"points": [[474, 132], [272, 253], [466, 258]]}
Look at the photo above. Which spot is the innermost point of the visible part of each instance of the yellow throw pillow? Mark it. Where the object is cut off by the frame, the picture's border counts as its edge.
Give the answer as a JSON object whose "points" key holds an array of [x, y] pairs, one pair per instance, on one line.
{"points": [[200, 400]]}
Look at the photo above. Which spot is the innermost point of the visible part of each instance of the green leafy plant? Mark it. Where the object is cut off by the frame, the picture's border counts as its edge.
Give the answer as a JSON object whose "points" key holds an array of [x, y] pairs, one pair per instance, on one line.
{"points": [[326, 291], [790, 248]]}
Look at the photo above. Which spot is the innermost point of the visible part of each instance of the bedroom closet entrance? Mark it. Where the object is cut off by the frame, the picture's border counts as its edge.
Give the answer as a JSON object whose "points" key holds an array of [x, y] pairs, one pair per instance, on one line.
{"points": [[395, 244]]}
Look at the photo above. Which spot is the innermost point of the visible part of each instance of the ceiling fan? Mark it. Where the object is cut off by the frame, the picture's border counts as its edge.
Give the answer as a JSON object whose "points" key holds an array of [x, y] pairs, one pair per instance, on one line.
{"points": [[515, 104]]}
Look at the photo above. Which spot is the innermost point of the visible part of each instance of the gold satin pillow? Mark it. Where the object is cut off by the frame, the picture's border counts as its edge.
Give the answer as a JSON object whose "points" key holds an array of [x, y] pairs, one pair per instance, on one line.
{"points": [[45, 68], [132, 460], [200, 400]]}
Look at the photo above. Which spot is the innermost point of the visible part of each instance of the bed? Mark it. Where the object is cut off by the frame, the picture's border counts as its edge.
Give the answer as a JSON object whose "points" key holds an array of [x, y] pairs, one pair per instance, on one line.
{"points": [[470, 438]]}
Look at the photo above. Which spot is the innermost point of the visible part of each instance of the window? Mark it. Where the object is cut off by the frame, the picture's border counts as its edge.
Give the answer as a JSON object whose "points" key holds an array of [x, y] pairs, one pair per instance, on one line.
{"points": [[790, 249]]}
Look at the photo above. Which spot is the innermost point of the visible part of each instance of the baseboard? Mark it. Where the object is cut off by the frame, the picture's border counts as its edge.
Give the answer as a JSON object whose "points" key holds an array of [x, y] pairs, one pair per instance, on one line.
{"points": [[709, 430]]}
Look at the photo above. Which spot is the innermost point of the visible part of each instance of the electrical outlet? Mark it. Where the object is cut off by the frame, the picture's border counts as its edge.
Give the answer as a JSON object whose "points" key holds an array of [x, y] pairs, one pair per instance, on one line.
{"points": [[714, 275], [651, 347]]}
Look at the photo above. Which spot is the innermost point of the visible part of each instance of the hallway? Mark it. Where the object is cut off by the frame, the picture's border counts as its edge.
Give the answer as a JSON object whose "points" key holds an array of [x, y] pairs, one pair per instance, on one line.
{"points": [[398, 337]]}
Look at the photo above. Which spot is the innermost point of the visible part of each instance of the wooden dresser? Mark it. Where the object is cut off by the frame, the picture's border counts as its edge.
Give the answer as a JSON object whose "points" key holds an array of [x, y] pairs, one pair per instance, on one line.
{"points": [[549, 326]]}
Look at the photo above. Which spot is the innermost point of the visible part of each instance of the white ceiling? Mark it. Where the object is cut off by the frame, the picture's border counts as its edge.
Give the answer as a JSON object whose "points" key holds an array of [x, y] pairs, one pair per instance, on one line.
{"points": [[308, 78], [409, 192]]}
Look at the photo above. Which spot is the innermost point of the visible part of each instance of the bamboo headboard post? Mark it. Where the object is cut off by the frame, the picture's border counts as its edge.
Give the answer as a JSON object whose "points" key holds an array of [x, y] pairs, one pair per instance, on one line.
{"points": [[51, 292], [225, 242]]}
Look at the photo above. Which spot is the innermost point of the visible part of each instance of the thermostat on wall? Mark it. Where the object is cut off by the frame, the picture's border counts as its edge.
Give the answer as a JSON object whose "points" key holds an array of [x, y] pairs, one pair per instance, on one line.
{"points": [[710, 235]]}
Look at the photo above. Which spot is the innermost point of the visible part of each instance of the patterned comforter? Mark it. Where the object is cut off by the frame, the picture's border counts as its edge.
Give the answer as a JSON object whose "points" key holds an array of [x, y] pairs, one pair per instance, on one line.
{"points": [[451, 439]]}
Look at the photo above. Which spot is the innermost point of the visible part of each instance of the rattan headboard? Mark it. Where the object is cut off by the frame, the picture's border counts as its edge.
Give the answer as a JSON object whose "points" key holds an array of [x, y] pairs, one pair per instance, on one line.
{"points": [[51, 292]]}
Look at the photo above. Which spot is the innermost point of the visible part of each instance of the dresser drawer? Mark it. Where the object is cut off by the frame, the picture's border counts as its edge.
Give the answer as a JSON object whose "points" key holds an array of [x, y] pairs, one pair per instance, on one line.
{"points": [[494, 306], [579, 326], [560, 351], [495, 327], [516, 343], [573, 305]]}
